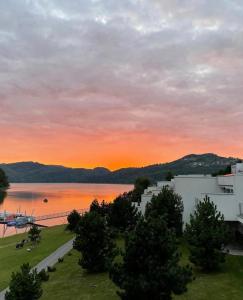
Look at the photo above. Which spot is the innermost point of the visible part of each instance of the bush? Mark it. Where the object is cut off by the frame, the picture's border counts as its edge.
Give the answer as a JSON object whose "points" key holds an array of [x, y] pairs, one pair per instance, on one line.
{"points": [[51, 269], [43, 275], [60, 259], [25, 285]]}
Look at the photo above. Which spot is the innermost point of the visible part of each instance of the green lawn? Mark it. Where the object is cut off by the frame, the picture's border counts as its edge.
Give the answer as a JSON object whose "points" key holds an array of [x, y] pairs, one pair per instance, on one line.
{"points": [[11, 259], [71, 282]]}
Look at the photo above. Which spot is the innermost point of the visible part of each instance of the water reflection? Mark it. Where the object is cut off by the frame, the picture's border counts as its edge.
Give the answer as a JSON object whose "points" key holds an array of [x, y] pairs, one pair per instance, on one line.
{"points": [[30, 197]]}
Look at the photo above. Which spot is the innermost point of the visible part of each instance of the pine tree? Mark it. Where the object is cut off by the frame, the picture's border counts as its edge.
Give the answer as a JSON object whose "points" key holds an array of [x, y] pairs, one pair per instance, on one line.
{"points": [[123, 214], [169, 205], [94, 242], [73, 220], [150, 267], [140, 185], [24, 285], [3, 195], [4, 184], [207, 234], [34, 234], [102, 208]]}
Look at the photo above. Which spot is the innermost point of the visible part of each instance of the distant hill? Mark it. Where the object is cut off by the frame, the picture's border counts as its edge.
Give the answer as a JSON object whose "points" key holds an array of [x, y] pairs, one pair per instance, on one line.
{"points": [[190, 164]]}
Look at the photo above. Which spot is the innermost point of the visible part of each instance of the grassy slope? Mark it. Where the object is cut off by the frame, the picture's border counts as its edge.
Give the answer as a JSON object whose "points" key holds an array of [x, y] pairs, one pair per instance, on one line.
{"points": [[11, 259], [71, 282]]}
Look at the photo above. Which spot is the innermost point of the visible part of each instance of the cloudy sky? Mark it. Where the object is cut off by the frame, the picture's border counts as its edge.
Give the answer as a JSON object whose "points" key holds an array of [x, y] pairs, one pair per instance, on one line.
{"points": [[120, 82]]}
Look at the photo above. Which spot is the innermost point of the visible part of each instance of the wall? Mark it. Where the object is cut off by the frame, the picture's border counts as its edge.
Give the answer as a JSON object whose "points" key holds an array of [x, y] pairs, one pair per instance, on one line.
{"points": [[191, 188]]}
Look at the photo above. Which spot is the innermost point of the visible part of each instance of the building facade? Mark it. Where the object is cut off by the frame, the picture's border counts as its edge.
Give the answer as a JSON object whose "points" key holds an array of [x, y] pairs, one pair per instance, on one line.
{"points": [[225, 191]]}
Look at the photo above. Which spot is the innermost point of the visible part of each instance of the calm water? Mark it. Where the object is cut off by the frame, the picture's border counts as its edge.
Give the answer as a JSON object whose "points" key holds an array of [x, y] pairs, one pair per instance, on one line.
{"points": [[28, 197]]}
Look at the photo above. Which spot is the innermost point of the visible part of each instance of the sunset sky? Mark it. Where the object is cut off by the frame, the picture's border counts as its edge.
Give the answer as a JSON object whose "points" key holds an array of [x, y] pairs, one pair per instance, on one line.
{"points": [[120, 83]]}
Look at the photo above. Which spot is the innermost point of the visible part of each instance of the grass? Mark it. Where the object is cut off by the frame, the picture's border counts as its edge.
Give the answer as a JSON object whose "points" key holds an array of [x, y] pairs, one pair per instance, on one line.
{"points": [[223, 285], [71, 282], [11, 259]]}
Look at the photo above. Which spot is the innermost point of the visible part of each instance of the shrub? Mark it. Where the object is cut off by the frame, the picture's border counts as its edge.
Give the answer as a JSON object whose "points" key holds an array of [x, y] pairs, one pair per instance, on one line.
{"points": [[51, 269], [43, 275]]}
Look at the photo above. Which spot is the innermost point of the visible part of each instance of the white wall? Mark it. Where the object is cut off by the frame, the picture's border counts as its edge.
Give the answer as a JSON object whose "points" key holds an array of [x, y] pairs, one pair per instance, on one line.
{"points": [[195, 187], [190, 188], [227, 204]]}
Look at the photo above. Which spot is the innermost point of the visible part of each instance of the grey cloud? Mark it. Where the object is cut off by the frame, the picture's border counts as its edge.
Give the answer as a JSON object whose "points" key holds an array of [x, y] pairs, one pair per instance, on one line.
{"points": [[154, 66]]}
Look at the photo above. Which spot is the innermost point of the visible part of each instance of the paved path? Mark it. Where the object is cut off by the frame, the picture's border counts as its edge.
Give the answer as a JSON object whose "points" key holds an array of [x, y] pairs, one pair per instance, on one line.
{"points": [[50, 260]]}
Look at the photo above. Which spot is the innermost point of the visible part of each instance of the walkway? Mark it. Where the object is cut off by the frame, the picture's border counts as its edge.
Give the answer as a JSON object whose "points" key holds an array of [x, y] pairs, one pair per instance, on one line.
{"points": [[59, 215], [50, 260]]}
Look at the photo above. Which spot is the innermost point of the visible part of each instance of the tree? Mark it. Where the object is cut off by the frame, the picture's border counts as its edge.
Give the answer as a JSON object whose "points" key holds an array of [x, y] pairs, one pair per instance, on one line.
{"points": [[4, 184], [3, 195], [150, 267], [94, 242], [222, 172], [207, 234], [73, 220], [24, 285], [123, 214], [167, 204], [103, 208], [34, 234], [169, 176], [140, 185]]}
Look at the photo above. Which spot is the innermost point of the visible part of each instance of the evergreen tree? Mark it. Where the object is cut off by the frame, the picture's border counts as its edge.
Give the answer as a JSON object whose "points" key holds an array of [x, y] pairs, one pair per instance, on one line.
{"points": [[123, 214], [73, 220], [169, 176], [102, 208], [3, 195], [169, 205], [24, 285], [94, 242], [140, 185], [34, 234], [150, 267], [4, 184], [207, 234]]}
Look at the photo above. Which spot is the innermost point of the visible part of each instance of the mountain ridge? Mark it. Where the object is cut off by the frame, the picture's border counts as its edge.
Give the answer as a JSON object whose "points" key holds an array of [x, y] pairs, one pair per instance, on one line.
{"points": [[30, 171]]}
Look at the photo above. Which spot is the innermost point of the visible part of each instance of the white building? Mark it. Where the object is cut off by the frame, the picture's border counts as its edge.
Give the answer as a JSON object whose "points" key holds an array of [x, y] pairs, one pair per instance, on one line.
{"points": [[225, 191]]}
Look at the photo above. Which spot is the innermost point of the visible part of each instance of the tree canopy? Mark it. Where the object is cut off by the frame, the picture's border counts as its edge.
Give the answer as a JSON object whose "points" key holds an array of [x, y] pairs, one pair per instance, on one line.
{"points": [[34, 234], [141, 183], [150, 267], [94, 242], [169, 205], [4, 184], [221, 172], [102, 208], [123, 214], [73, 220], [24, 285], [207, 234]]}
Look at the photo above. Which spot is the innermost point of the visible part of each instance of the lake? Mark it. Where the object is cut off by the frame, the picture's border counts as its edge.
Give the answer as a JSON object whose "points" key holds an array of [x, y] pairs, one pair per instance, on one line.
{"points": [[28, 197]]}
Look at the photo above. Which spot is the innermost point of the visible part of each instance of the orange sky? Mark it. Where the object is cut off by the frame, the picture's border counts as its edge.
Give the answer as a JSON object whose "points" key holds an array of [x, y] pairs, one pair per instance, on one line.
{"points": [[114, 151]]}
